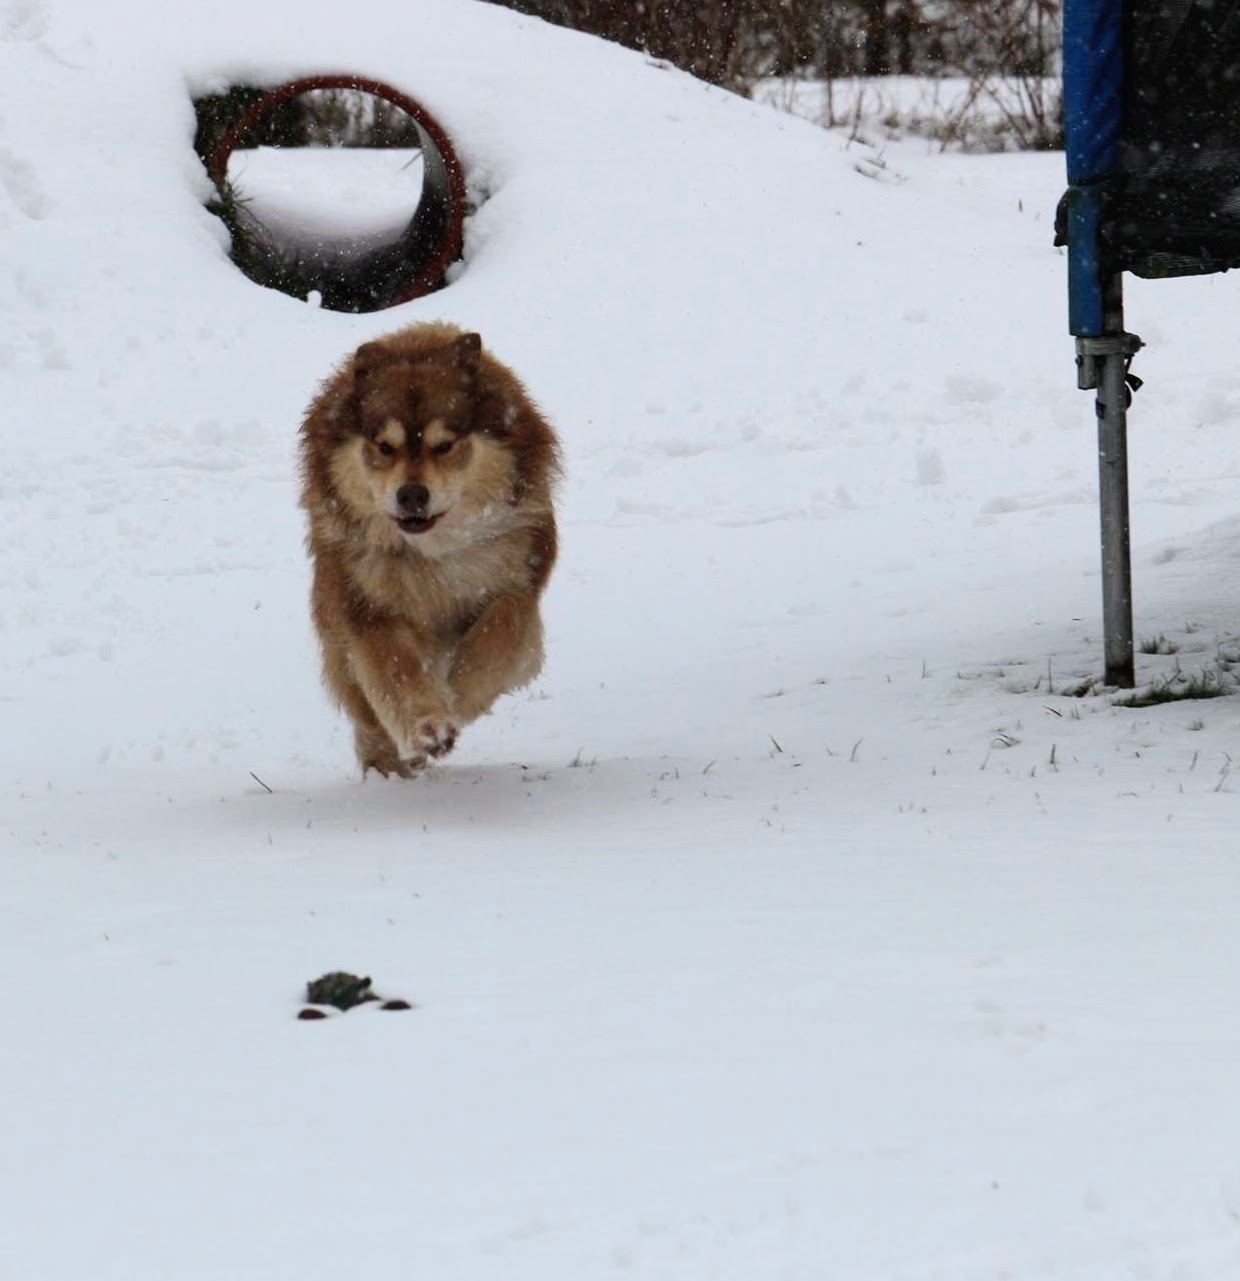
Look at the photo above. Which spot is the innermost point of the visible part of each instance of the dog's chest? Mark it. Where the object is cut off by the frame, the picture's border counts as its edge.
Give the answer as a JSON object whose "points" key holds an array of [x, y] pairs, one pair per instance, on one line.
{"points": [[446, 594]]}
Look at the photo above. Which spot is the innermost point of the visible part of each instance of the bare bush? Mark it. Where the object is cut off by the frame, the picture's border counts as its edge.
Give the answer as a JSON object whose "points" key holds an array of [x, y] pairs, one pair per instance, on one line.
{"points": [[1010, 52], [701, 36], [1006, 49]]}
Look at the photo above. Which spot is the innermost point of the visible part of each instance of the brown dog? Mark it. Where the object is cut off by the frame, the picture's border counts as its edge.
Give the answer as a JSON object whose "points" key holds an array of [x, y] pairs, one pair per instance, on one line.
{"points": [[428, 477]]}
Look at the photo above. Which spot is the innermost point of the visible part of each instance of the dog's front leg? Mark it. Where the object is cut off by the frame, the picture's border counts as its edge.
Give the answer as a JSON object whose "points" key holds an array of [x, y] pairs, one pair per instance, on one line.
{"points": [[501, 651], [399, 668]]}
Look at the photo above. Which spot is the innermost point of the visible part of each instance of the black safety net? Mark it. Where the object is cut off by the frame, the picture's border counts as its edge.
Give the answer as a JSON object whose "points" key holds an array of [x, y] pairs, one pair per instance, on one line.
{"points": [[1174, 207]]}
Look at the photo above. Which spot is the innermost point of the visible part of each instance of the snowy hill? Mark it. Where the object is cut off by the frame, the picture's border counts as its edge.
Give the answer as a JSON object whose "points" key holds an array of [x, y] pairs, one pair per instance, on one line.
{"points": [[798, 923]]}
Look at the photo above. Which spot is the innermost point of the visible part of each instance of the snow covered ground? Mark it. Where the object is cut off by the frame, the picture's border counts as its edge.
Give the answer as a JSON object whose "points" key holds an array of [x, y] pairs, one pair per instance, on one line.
{"points": [[356, 191], [798, 923], [994, 114]]}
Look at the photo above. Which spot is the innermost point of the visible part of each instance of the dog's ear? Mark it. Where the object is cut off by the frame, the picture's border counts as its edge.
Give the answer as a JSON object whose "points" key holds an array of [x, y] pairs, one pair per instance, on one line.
{"points": [[369, 357], [467, 352]]}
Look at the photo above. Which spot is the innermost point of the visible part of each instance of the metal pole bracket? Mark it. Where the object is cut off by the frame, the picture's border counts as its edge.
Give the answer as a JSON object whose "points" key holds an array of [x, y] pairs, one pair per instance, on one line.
{"points": [[1091, 352]]}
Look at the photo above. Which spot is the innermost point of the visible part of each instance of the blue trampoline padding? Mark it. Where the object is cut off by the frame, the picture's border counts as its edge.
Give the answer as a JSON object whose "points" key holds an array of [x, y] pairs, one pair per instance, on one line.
{"points": [[1082, 224], [1093, 87]]}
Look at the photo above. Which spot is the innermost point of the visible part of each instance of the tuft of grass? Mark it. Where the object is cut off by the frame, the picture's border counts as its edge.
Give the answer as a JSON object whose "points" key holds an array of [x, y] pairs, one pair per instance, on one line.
{"points": [[1158, 645], [1175, 689], [1080, 689]]}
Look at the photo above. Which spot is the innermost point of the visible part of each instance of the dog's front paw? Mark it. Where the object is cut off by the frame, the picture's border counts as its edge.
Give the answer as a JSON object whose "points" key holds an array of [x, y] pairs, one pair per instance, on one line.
{"points": [[434, 736], [386, 761], [376, 751], [389, 765]]}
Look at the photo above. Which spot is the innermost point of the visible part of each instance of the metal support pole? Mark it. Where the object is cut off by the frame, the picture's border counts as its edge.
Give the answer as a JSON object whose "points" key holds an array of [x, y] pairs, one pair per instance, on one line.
{"points": [[1113, 508], [1102, 363]]}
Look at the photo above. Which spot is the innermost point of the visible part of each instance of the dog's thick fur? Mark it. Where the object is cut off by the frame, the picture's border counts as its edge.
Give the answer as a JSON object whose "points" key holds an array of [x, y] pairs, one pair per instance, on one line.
{"points": [[428, 478]]}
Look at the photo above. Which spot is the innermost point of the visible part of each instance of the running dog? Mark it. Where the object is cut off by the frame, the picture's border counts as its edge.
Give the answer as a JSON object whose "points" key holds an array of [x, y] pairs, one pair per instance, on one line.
{"points": [[428, 477]]}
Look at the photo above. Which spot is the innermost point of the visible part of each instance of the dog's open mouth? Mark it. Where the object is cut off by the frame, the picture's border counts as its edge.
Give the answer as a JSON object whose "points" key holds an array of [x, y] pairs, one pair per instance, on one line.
{"points": [[417, 524]]}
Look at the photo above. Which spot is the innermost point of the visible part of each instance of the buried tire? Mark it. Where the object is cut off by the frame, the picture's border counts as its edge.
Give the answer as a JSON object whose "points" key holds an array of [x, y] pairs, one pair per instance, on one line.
{"points": [[347, 273]]}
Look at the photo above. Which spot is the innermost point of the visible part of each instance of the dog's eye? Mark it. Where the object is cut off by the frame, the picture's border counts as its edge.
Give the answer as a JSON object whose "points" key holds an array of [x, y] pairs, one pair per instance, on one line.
{"points": [[442, 447], [385, 449]]}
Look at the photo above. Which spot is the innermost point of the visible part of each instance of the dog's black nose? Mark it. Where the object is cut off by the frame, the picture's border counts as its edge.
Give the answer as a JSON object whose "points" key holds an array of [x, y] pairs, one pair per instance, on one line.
{"points": [[413, 497]]}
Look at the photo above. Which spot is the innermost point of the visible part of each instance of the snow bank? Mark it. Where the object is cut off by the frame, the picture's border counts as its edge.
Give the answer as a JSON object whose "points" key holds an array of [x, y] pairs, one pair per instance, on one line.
{"points": [[797, 923]]}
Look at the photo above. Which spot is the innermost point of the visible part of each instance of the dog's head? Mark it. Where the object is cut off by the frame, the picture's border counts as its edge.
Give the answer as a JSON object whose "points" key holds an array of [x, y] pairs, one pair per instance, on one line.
{"points": [[412, 460]]}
